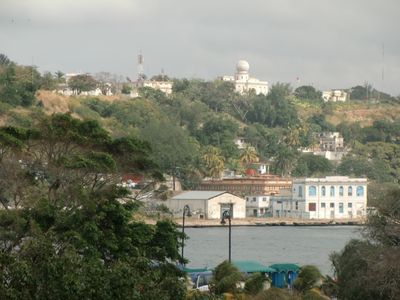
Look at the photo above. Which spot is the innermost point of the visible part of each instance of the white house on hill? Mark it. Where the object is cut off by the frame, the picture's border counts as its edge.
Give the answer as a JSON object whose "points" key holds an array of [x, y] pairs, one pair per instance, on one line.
{"points": [[208, 204]]}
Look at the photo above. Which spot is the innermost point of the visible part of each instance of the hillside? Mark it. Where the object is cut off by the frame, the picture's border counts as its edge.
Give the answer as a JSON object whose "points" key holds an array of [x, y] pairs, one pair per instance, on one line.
{"points": [[192, 133]]}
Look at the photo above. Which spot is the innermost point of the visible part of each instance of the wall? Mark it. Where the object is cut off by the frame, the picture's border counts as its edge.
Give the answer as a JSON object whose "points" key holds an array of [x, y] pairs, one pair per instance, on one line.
{"points": [[335, 206], [214, 206]]}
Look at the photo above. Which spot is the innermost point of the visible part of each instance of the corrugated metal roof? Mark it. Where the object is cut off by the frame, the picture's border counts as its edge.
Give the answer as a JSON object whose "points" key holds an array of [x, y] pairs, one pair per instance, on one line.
{"points": [[198, 195]]}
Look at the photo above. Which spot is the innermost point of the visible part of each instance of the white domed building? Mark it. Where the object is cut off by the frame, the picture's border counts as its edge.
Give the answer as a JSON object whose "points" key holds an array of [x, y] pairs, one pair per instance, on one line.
{"points": [[243, 82]]}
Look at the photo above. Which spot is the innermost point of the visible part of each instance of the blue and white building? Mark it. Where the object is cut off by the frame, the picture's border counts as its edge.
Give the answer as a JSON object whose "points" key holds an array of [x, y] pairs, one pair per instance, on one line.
{"points": [[331, 197]]}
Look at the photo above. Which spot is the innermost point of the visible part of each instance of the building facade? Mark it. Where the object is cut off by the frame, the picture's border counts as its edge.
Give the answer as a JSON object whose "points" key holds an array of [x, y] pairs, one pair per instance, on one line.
{"points": [[332, 197], [245, 186], [243, 82], [208, 204], [335, 96], [257, 206], [330, 145]]}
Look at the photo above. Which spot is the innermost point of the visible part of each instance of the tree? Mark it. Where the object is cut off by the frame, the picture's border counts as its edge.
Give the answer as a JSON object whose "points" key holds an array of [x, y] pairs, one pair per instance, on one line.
{"points": [[213, 161], [225, 279], [220, 133], [308, 278], [255, 284], [126, 89], [48, 82], [18, 84], [310, 164], [275, 109], [60, 154], [365, 269], [248, 155], [60, 77], [72, 235], [82, 83], [4, 60], [308, 92], [284, 160], [173, 149]]}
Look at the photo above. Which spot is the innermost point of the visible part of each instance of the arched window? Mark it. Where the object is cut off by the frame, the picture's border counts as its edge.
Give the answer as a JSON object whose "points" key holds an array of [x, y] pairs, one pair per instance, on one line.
{"points": [[300, 191], [332, 191], [350, 191], [340, 190], [312, 191], [360, 191], [323, 191]]}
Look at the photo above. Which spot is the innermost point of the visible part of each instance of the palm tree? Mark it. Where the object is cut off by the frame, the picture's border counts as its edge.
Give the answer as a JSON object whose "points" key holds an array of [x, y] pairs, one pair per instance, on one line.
{"points": [[248, 156], [214, 161], [284, 160], [225, 279], [293, 137]]}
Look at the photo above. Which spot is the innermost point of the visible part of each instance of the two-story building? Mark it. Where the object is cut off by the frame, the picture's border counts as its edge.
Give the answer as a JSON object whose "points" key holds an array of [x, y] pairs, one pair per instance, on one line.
{"points": [[257, 206], [332, 197]]}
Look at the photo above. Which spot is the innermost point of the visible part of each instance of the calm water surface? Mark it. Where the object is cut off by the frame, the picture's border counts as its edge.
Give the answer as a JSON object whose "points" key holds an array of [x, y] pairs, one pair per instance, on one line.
{"points": [[268, 245]]}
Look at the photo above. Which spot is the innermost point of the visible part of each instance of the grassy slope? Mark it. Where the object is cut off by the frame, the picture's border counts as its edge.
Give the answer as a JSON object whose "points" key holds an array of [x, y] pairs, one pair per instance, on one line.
{"points": [[354, 111]]}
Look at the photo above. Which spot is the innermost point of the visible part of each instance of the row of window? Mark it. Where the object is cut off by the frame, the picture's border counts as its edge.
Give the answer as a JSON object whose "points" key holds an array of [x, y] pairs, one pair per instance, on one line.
{"points": [[313, 206], [254, 199], [312, 191]]}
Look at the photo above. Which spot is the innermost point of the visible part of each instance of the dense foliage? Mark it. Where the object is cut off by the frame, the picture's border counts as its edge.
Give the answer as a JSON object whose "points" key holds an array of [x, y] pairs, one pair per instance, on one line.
{"points": [[368, 268], [67, 230]]}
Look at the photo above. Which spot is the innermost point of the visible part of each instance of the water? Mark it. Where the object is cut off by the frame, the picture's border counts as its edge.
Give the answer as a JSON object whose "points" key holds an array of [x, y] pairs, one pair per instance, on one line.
{"points": [[268, 245]]}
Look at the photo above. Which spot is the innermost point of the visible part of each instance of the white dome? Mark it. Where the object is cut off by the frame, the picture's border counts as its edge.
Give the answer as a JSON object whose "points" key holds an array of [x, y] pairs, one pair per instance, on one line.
{"points": [[242, 66]]}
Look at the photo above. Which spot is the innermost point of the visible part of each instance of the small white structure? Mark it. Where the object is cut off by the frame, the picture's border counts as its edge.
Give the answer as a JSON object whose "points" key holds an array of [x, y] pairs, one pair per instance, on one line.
{"points": [[257, 205], [243, 82], [335, 96], [208, 204], [240, 143], [330, 145], [163, 86], [332, 197]]}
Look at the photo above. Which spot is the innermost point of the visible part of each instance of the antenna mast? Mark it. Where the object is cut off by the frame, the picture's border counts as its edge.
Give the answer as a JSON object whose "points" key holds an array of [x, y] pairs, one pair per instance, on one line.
{"points": [[140, 67]]}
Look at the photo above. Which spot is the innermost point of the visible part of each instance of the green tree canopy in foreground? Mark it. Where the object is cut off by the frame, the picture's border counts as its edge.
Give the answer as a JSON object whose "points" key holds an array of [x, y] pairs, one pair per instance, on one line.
{"points": [[67, 230], [369, 269]]}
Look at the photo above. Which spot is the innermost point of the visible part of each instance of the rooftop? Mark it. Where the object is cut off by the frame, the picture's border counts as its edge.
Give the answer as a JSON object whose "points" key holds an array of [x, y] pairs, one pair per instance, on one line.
{"points": [[198, 195]]}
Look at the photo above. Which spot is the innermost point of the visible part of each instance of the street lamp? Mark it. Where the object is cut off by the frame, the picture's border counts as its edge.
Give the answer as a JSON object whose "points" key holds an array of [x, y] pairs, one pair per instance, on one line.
{"points": [[227, 215], [186, 212]]}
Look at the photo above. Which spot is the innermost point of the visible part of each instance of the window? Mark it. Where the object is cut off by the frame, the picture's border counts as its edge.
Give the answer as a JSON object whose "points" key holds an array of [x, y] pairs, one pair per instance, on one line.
{"points": [[312, 191], [297, 205], [349, 205], [323, 205], [360, 191], [340, 207], [311, 207], [350, 191], [264, 199], [300, 191], [323, 191], [340, 190], [332, 191], [332, 205]]}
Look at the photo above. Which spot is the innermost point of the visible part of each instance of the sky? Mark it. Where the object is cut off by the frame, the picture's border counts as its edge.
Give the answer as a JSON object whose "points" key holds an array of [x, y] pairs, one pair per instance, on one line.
{"points": [[329, 44]]}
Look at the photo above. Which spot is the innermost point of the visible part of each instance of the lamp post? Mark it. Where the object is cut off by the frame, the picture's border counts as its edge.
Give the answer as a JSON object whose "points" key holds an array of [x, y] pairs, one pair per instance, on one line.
{"points": [[186, 212], [227, 215]]}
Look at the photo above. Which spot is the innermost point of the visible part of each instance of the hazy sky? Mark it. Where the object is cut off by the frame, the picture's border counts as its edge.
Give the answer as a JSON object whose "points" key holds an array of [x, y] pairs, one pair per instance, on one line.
{"points": [[326, 43]]}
